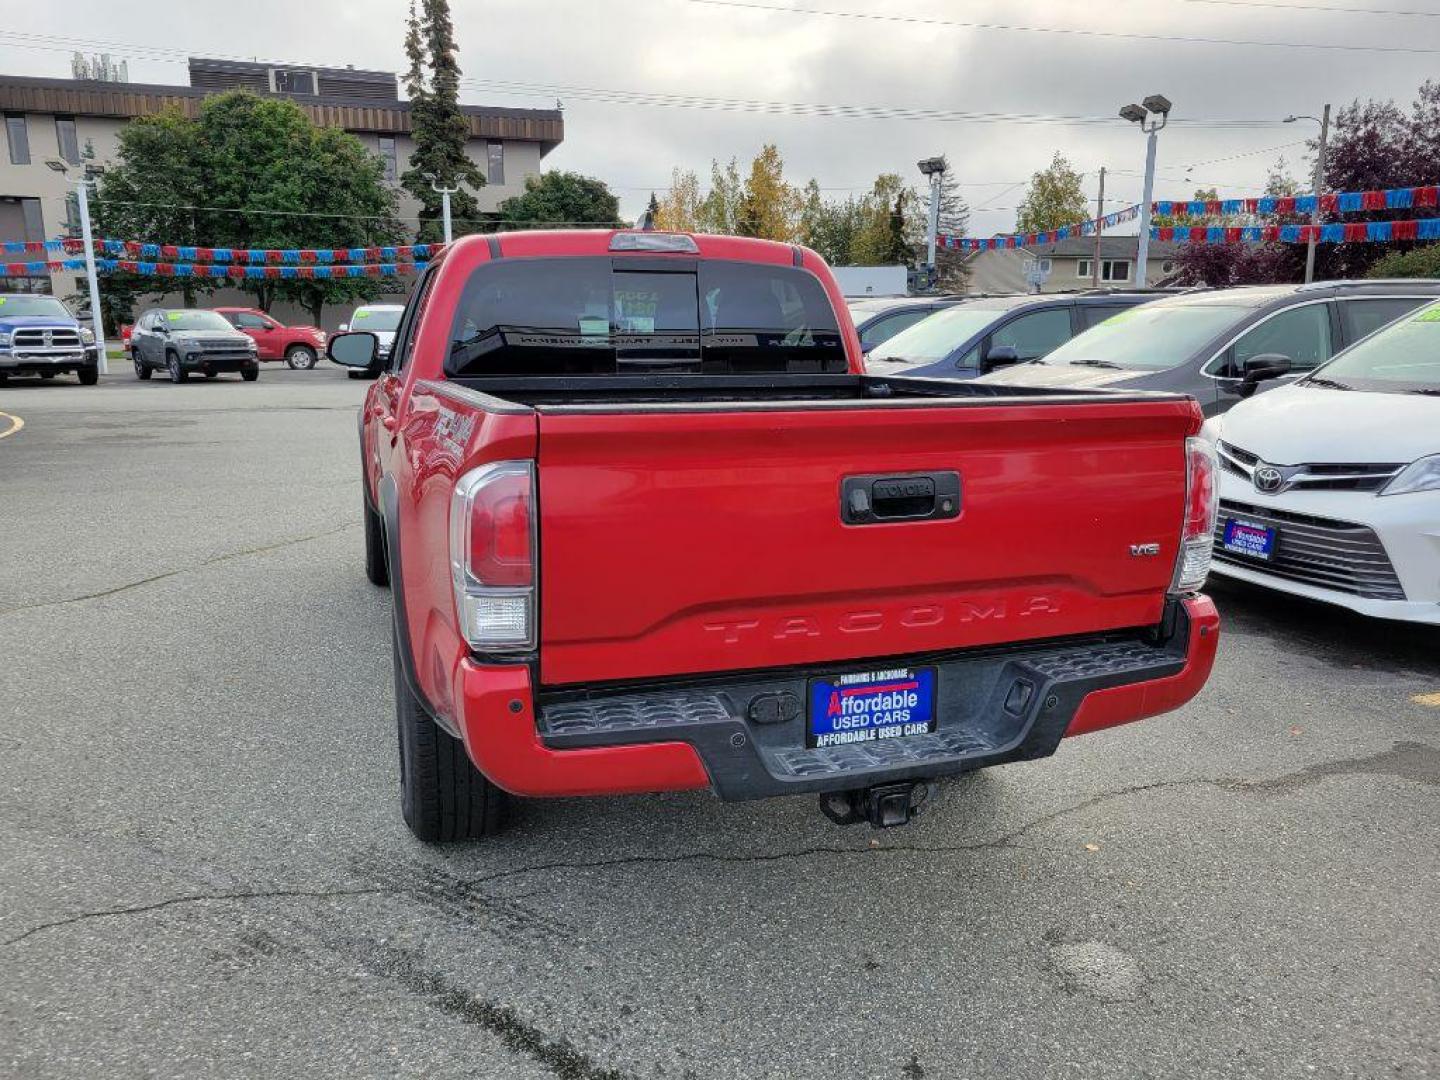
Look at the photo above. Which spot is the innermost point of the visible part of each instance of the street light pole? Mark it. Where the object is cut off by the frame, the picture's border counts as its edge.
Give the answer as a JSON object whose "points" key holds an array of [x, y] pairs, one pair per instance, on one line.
{"points": [[1324, 121], [1152, 114], [82, 196], [934, 168], [445, 193]]}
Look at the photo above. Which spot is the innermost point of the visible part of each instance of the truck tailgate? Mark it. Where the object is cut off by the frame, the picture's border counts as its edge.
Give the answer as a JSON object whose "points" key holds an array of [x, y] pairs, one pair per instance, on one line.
{"points": [[678, 541]]}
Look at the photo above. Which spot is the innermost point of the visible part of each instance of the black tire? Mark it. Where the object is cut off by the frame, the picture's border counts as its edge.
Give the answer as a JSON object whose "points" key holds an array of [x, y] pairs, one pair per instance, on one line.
{"points": [[250, 372], [88, 376], [142, 371], [377, 568], [300, 358], [177, 373], [443, 797]]}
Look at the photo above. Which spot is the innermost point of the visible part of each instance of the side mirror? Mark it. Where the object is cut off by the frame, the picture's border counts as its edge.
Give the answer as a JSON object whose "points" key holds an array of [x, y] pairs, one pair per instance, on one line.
{"points": [[161, 328], [1256, 369], [999, 356], [357, 350]]}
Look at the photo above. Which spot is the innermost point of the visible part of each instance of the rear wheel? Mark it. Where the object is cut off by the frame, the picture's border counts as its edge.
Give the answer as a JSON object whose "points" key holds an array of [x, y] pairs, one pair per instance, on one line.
{"points": [[442, 795], [89, 376], [300, 357], [250, 372], [177, 373], [141, 370]]}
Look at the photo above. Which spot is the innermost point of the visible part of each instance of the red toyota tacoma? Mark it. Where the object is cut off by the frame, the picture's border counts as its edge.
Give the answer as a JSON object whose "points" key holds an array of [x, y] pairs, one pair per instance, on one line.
{"points": [[298, 346], [650, 526]]}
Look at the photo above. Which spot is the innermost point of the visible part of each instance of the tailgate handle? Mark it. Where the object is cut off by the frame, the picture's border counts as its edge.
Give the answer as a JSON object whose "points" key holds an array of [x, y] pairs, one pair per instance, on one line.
{"points": [[881, 497]]}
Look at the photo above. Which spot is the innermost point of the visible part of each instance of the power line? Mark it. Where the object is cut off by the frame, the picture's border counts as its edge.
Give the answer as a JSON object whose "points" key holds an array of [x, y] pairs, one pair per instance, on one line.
{"points": [[1317, 7], [918, 20], [662, 99]]}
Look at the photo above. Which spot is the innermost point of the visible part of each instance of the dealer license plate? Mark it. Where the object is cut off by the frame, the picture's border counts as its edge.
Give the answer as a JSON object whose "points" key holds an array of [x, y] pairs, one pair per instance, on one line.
{"points": [[1247, 538], [867, 706]]}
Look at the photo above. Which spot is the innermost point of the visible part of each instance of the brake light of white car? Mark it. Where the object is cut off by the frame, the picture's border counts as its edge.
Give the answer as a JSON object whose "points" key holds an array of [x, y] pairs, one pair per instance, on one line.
{"points": [[1192, 563], [492, 555]]}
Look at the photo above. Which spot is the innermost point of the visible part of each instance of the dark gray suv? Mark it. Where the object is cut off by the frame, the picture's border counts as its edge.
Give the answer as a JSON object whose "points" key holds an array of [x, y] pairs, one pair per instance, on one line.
{"points": [[1220, 346]]}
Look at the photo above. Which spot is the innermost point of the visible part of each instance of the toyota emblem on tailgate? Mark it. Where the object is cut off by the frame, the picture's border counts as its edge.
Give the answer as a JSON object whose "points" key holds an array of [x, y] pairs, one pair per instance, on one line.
{"points": [[1268, 478]]}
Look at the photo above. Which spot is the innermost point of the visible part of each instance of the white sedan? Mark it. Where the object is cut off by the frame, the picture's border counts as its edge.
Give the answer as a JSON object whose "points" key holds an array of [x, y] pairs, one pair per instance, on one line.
{"points": [[1330, 486]]}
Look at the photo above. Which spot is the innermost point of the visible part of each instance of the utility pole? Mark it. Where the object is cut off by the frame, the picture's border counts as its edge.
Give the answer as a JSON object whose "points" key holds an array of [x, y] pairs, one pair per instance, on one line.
{"points": [[445, 193], [1099, 231], [1152, 114]]}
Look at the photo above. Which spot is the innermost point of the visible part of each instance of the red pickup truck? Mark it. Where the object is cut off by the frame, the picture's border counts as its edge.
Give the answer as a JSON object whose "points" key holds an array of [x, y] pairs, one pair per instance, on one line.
{"points": [[299, 346], [650, 526]]}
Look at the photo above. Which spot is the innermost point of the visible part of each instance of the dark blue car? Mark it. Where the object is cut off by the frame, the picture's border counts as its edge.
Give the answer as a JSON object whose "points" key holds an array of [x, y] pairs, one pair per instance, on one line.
{"points": [[974, 336]]}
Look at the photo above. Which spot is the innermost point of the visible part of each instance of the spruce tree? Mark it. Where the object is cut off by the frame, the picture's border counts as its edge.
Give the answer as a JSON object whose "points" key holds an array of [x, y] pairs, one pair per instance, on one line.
{"points": [[439, 129]]}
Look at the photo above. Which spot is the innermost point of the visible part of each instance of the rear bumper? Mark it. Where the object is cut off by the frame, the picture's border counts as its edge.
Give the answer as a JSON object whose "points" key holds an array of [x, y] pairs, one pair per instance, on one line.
{"points": [[743, 735]]}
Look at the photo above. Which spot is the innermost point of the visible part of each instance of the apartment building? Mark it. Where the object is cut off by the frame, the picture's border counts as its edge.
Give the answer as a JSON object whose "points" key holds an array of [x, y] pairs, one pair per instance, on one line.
{"points": [[59, 119]]}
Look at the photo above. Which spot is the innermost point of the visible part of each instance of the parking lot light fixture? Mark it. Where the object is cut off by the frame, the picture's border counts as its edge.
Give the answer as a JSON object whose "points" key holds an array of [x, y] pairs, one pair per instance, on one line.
{"points": [[934, 168], [1324, 121], [82, 195], [1152, 114]]}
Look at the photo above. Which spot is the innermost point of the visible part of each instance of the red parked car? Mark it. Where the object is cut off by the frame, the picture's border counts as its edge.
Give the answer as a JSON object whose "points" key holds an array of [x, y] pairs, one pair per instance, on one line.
{"points": [[691, 544], [298, 346]]}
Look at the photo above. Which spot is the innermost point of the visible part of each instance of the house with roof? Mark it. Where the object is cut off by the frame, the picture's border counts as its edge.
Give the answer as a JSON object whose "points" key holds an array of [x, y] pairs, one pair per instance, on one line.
{"points": [[1070, 264]]}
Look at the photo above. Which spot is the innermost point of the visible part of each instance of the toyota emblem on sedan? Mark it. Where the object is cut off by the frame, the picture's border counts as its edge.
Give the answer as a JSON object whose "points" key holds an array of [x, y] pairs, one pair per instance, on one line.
{"points": [[1268, 478]]}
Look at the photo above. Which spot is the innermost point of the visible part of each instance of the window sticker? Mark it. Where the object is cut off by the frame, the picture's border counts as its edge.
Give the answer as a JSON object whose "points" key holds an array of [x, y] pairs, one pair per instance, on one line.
{"points": [[175, 316]]}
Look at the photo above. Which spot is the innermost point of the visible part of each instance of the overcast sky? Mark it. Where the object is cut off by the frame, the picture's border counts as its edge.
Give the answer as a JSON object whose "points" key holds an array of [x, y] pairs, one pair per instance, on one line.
{"points": [[684, 47]]}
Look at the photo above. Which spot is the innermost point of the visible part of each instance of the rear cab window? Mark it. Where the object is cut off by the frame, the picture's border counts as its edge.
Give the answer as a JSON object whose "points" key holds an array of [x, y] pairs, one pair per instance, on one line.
{"points": [[583, 316]]}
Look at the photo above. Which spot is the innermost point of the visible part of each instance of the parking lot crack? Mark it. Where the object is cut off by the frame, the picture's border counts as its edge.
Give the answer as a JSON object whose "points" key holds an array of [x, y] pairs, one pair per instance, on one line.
{"points": [[195, 898], [202, 564]]}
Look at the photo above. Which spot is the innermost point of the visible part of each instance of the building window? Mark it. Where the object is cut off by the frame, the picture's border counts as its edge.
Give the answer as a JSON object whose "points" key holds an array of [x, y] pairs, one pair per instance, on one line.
{"points": [[66, 137], [495, 161], [34, 220], [1114, 269], [1082, 268], [387, 155], [19, 136], [294, 82]]}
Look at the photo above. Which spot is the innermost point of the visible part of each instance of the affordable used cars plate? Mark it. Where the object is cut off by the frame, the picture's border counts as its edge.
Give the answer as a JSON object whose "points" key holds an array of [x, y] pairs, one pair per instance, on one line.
{"points": [[867, 706], [1247, 538]]}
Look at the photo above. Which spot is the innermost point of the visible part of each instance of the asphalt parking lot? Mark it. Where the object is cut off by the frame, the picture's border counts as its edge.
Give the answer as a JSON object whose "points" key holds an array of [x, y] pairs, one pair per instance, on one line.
{"points": [[205, 872]]}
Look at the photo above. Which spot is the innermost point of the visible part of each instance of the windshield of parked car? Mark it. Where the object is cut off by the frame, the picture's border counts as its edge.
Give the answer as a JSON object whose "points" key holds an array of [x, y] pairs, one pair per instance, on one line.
{"points": [[937, 336], [196, 320], [375, 320], [1152, 337], [46, 306], [1402, 358]]}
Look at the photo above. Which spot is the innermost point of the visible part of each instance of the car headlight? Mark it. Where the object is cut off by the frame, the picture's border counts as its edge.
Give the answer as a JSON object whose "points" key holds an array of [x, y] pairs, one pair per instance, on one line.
{"points": [[1421, 475], [4, 341], [87, 336]]}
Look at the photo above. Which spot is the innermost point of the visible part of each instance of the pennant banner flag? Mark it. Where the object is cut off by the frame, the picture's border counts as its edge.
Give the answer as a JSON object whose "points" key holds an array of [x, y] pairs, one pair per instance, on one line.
{"points": [[1354, 232], [136, 250], [30, 269], [1342, 202], [38, 247], [1084, 228], [279, 273]]}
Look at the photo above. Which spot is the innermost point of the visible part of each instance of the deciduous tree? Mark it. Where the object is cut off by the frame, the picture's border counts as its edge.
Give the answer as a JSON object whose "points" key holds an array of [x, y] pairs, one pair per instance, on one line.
{"points": [[719, 211], [680, 207], [562, 200], [1054, 198], [769, 207]]}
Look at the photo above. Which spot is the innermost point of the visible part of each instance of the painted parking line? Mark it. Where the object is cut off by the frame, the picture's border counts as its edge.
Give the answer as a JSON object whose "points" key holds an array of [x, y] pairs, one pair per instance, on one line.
{"points": [[1433, 700], [14, 424]]}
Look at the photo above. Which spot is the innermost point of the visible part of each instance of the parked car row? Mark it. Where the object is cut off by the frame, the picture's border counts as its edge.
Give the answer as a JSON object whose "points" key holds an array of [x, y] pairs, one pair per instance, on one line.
{"points": [[1306, 471]]}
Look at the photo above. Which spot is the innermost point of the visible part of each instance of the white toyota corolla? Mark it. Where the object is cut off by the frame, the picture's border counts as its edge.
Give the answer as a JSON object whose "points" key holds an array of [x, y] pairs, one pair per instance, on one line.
{"points": [[1330, 486]]}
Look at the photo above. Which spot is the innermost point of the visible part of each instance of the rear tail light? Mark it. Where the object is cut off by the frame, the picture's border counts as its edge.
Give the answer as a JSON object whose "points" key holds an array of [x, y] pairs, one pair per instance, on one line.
{"points": [[492, 555], [1192, 565]]}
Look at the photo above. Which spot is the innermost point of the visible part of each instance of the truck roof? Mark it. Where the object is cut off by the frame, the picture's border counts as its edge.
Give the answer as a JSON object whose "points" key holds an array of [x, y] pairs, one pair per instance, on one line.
{"points": [[563, 242]]}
